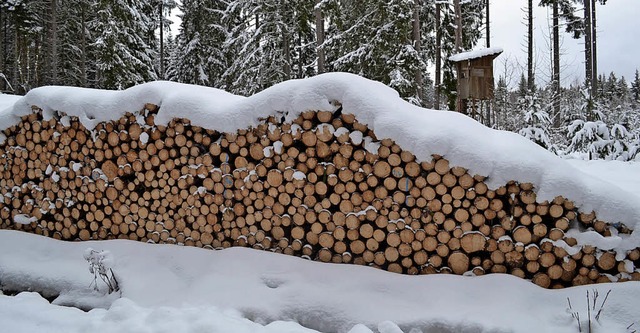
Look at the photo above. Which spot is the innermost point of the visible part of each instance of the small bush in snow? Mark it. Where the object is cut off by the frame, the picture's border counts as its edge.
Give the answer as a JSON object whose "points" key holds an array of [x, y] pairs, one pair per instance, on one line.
{"points": [[100, 263]]}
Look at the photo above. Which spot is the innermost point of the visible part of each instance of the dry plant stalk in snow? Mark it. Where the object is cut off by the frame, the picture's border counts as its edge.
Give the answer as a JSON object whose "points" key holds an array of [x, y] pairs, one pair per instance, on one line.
{"points": [[100, 263], [323, 187]]}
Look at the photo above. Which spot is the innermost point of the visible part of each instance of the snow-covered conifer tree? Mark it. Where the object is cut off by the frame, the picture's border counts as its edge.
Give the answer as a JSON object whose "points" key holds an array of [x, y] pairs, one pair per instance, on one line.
{"points": [[635, 88], [535, 119], [374, 39], [273, 41], [199, 56], [124, 56]]}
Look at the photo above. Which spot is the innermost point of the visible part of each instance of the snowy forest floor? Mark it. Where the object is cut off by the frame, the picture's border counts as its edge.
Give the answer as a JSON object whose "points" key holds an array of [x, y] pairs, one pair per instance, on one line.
{"points": [[166, 288]]}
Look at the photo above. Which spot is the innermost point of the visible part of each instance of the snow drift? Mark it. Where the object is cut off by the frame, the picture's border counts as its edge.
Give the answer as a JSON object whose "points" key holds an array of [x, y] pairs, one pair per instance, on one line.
{"points": [[173, 288]]}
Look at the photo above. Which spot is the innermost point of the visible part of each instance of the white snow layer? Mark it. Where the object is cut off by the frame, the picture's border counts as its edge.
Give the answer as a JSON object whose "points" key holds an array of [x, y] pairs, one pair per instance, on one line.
{"points": [[169, 288], [7, 101], [474, 54], [625, 175], [24, 219], [500, 155]]}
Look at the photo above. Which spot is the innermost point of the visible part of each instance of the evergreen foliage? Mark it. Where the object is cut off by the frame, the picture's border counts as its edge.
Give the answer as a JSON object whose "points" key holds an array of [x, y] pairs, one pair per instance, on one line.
{"points": [[124, 56], [536, 120], [635, 88]]}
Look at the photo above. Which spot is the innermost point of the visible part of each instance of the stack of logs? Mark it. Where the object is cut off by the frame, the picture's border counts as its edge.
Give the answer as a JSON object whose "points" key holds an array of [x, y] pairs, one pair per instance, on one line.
{"points": [[322, 187]]}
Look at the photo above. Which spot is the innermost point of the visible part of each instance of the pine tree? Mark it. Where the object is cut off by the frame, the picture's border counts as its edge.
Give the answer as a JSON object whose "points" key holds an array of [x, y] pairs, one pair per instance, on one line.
{"points": [[168, 49], [273, 41], [523, 86], [124, 56], [536, 120], [23, 43], [502, 106], [159, 12], [197, 43], [75, 56], [635, 87], [376, 43]]}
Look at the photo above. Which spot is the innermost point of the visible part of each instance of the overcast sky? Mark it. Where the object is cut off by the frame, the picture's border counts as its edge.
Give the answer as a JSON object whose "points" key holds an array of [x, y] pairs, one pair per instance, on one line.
{"points": [[618, 40]]}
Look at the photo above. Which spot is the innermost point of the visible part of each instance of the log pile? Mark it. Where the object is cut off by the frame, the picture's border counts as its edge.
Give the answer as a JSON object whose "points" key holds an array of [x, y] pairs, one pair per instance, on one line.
{"points": [[323, 187]]}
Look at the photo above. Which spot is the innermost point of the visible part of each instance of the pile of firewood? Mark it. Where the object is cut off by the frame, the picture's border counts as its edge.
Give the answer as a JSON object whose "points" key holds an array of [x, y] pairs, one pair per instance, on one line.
{"points": [[323, 187]]}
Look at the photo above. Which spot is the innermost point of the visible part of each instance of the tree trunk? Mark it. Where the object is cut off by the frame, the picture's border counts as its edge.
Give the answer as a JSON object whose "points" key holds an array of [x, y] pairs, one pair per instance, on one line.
{"points": [[594, 50], [530, 74], [319, 37], [286, 48], [489, 103], [488, 24], [3, 49], [53, 44], [16, 57], [19, 61], [438, 73], [83, 49], [458, 11], [161, 40], [556, 65], [418, 46], [300, 59], [588, 73]]}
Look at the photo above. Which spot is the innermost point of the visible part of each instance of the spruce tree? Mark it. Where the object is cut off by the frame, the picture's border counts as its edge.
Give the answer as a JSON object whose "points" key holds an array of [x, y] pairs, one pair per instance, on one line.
{"points": [[374, 39], [635, 87], [76, 57], [124, 56], [203, 53], [24, 43], [273, 41]]}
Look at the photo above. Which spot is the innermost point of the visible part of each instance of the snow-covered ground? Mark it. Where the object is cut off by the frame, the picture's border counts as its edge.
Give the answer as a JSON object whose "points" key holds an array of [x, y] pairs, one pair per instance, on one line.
{"points": [[168, 288], [178, 289]]}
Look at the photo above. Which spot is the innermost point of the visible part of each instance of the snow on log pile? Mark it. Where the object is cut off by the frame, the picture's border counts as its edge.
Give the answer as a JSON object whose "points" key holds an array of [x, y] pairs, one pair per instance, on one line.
{"points": [[334, 168]]}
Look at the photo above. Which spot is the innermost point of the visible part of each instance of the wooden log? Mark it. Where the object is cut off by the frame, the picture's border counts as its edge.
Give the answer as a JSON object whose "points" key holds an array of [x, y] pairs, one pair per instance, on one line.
{"points": [[607, 261], [473, 242], [458, 262], [441, 166], [522, 234], [391, 254], [542, 280], [514, 259], [381, 169]]}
